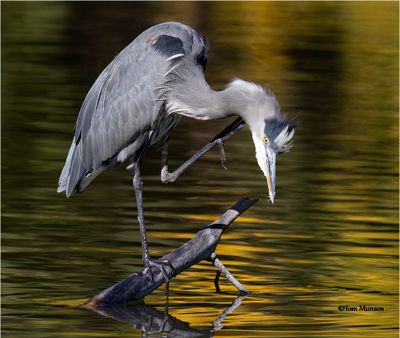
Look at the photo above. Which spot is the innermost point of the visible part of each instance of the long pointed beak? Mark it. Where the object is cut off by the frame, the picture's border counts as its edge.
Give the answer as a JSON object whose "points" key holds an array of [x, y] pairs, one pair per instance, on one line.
{"points": [[271, 168]]}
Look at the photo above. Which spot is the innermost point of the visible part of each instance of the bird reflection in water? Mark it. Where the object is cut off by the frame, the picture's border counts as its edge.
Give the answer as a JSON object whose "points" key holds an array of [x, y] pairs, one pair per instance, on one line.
{"points": [[155, 322]]}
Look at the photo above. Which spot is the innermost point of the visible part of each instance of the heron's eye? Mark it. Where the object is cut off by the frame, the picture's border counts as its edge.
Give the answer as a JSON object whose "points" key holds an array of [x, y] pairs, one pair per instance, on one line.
{"points": [[266, 140]]}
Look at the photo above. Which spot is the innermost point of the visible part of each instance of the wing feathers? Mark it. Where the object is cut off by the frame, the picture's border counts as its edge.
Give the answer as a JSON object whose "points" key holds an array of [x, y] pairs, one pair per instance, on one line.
{"points": [[122, 104]]}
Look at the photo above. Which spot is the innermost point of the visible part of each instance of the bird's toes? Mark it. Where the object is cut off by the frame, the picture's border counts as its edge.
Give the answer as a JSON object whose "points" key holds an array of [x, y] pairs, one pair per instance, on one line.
{"points": [[222, 153], [161, 265]]}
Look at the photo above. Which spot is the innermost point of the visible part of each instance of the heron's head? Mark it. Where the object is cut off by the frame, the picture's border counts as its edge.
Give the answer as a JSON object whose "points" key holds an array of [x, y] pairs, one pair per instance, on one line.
{"points": [[274, 137], [272, 132]]}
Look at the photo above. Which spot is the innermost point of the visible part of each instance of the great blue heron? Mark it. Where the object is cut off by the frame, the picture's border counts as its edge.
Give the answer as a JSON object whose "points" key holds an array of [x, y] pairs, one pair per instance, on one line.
{"points": [[138, 99]]}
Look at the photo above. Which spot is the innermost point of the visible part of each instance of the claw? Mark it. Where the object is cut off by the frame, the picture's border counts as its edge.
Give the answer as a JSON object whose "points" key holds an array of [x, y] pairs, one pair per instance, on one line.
{"points": [[159, 264], [222, 153]]}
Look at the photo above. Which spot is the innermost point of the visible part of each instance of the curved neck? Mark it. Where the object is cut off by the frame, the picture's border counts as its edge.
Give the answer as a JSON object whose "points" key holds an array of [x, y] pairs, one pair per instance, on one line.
{"points": [[201, 102], [197, 100]]}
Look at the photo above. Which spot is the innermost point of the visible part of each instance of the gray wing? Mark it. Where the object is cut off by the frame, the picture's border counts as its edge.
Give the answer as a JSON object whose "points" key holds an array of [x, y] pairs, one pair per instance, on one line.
{"points": [[122, 107]]}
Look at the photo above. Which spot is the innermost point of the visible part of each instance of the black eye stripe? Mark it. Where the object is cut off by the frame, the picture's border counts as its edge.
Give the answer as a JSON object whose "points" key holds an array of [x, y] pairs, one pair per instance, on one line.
{"points": [[273, 127]]}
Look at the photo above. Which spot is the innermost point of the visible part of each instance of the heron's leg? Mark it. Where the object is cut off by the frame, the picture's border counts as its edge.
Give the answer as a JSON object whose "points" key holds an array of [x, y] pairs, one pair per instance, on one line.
{"points": [[138, 186], [219, 139], [148, 262]]}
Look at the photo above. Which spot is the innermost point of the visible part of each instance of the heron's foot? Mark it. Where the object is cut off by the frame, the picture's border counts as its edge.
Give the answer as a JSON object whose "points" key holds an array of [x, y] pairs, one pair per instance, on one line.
{"points": [[167, 177], [222, 153], [162, 265]]}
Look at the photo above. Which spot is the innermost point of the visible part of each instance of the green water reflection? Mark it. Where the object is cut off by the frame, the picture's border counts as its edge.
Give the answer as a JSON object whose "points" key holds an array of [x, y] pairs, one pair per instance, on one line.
{"points": [[331, 237]]}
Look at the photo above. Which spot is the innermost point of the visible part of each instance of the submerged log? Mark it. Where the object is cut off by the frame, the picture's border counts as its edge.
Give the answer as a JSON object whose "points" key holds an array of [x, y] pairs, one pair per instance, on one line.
{"points": [[201, 247]]}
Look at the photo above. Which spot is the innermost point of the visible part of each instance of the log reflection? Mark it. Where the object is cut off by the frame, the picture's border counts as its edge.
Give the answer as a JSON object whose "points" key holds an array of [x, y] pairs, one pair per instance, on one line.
{"points": [[155, 322]]}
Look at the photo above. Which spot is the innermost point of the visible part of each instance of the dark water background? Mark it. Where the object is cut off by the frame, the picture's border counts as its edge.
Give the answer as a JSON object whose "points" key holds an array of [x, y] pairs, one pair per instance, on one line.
{"points": [[331, 238]]}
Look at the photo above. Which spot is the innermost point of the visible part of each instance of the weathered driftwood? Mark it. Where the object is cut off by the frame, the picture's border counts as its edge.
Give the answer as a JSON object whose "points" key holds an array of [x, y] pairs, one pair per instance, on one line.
{"points": [[201, 247]]}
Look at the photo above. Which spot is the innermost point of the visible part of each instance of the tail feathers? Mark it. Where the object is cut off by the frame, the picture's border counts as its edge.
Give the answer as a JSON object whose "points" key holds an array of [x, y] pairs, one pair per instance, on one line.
{"points": [[74, 176], [76, 172], [87, 179], [63, 181], [72, 172]]}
